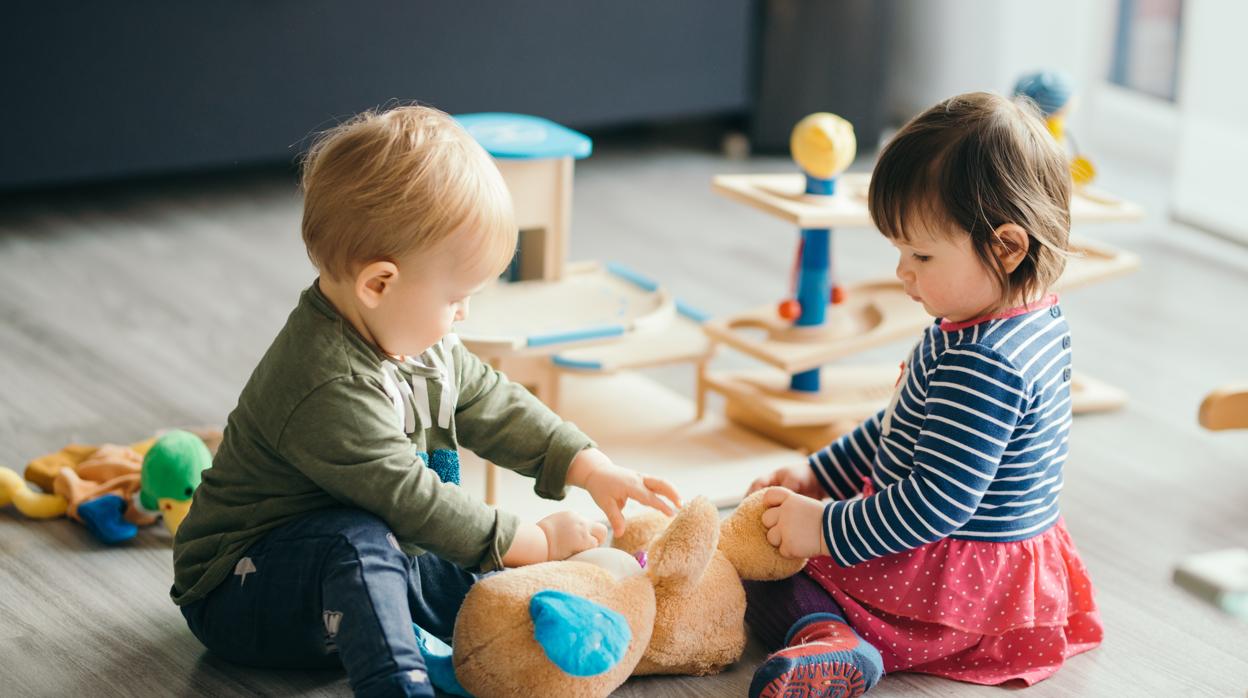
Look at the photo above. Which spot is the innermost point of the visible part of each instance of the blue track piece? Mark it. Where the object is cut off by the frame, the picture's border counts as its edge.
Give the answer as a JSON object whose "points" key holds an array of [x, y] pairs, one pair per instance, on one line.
{"points": [[691, 312], [578, 364], [545, 340], [637, 279]]}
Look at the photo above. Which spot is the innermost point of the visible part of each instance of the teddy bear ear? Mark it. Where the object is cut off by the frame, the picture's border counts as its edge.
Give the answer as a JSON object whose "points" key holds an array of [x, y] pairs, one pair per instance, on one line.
{"points": [[681, 554], [641, 529], [743, 540]]}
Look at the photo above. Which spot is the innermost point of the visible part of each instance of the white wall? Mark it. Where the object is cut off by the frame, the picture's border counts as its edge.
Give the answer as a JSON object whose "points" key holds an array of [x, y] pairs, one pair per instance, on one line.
{"points": [[945, 47], [1211, 175]]}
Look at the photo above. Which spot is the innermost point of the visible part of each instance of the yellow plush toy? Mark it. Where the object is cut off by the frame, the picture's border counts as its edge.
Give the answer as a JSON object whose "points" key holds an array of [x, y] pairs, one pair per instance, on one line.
{"points": [[36, 505], [667, 599]]}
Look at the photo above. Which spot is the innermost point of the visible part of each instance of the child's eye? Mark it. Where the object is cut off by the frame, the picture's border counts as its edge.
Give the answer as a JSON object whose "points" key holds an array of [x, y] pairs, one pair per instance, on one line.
{"points": [[922, 257]]}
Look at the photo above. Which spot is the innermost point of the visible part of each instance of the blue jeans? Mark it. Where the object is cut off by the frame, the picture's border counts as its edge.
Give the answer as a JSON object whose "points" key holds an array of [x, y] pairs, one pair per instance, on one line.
{"points": [[332, 588]]}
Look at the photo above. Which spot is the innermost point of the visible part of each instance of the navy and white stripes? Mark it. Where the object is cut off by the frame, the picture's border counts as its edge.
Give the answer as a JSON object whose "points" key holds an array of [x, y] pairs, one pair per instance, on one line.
{"points": [[972, 446]]}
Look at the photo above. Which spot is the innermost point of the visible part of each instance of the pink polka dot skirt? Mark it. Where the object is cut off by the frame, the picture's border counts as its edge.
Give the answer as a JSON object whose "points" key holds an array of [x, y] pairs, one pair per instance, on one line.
{"points": [[974, 611]]}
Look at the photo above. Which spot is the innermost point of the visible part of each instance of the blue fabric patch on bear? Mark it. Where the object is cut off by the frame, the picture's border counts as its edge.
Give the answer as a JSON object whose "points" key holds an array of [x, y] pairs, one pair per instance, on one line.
{"points": [[445, 463], [581, 637]]}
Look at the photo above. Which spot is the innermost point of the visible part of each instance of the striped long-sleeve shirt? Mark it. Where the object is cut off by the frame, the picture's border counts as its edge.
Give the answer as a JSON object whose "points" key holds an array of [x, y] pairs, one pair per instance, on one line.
{"points": [[971, 447]]}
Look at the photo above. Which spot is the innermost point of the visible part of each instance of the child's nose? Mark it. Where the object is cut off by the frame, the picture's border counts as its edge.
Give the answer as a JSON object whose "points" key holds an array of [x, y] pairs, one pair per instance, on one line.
{"points": [[903, 274]]}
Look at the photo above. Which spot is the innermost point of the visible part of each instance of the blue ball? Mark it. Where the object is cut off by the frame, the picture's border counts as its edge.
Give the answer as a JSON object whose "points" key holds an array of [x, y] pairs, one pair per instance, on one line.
{"points": [[1049, 89]]}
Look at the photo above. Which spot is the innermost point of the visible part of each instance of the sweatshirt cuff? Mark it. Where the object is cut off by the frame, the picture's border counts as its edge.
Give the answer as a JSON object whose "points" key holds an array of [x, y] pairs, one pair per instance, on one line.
{"points": [[565, 444], [505, 526]]}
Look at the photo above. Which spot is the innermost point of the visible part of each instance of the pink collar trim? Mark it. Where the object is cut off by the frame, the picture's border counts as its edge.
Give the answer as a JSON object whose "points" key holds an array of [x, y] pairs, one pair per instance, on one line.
{"points": [[1046, 302]]}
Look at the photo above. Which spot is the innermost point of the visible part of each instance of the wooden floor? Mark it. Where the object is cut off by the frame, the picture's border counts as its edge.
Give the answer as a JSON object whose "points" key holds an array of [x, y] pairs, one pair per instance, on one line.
{"points": [[137, 307]]}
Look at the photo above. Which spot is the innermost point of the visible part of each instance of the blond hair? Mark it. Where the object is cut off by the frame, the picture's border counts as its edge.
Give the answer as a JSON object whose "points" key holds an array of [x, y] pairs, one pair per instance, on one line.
{"points": [[388, 184], [979, 161]]}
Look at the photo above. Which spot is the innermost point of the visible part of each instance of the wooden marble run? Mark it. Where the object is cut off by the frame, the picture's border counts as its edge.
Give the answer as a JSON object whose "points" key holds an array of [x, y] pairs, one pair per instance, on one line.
{"points": [[573, 332], [802, 400], [548, 309]]}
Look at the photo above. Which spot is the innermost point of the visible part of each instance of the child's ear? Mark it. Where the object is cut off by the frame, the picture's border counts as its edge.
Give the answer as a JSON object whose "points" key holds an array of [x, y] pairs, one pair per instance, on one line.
{"points": [[1011, 245], [374, 280]]}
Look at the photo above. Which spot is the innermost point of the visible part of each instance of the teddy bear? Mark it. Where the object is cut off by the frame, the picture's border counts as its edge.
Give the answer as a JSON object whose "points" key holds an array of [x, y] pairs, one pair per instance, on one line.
{"points": [[666, 598]]}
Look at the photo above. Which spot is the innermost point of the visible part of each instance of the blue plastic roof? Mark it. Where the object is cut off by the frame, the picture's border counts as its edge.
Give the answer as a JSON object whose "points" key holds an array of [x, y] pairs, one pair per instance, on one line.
{"points": [[525, 137]]}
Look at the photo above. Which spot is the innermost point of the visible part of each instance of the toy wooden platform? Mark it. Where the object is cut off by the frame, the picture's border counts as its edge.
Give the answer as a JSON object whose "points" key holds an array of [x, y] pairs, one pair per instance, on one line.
{"points": [[682, 341], [874, 313], [783, 196], [591, 303], [642, 424], [760, 399], [1092, 262]]}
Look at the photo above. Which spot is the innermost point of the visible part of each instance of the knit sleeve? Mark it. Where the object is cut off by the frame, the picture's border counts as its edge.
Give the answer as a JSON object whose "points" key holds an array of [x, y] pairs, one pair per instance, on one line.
{"points": [[844, 464], [975, 399], [502, 422]]}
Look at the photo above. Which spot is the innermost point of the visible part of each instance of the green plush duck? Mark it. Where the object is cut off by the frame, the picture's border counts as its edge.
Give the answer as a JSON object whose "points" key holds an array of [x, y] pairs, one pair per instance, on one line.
{"points": [[172, 469]]}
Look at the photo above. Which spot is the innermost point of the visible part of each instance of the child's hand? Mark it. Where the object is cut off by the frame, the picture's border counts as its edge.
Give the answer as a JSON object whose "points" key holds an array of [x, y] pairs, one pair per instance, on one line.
{"points": [[798, 477], [568, 533], [794, 524], [612, 486]]}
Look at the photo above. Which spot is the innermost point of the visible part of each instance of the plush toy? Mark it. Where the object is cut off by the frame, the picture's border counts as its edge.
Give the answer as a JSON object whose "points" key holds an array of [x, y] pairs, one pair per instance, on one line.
{"points": [[667, 599], [1053, 93], [36, 505], [113, 490]]}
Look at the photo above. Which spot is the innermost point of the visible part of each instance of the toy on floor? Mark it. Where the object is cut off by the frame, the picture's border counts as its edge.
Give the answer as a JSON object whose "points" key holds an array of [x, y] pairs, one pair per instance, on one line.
{"points": [[810, 401], [113, 490], [1220, 577], [804, 398], [34, 505], [666, 599], [553, 325], [1225, 408], [1052, 91]]}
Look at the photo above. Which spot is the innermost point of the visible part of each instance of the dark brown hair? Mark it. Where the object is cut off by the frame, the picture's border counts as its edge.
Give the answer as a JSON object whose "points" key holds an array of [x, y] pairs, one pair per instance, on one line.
{"points": [[978, 161]]}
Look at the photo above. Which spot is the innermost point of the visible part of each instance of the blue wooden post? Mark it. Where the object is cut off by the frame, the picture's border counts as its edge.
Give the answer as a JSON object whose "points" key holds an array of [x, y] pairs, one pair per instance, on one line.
{"points": [[814, 280]]}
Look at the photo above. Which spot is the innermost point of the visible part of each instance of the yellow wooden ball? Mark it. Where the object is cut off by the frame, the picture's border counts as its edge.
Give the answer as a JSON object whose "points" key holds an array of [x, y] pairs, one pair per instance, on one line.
{"points": [[823, 145]]}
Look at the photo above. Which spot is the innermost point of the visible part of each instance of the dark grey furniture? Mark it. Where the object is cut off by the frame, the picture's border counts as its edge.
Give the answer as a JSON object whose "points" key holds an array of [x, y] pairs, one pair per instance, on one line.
{"points": [[95, 90]]}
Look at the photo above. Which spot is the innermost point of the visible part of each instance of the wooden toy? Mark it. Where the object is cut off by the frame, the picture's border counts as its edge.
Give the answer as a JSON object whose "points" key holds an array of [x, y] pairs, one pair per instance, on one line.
{"points": [[801, 336], [571, 332], [1225, 408], [535, 157], [575, 332], [1220, 577]]}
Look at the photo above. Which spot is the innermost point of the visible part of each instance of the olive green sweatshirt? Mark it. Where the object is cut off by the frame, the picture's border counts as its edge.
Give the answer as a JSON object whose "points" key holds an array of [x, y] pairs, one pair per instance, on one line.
{"points": [[328, 420]]}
